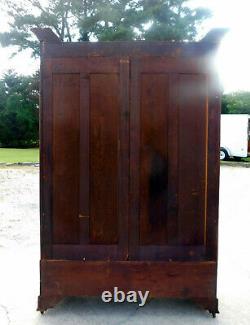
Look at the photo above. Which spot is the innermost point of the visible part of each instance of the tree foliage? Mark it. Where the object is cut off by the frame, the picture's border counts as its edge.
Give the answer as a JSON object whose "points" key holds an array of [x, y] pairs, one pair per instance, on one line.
{"points": [[19, 110], [79, 20], [101, 20], [236, 103]]}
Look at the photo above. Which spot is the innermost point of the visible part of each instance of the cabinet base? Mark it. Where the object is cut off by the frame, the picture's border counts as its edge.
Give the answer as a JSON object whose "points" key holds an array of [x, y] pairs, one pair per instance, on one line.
{"points": [[44, 303], [194, 281]]}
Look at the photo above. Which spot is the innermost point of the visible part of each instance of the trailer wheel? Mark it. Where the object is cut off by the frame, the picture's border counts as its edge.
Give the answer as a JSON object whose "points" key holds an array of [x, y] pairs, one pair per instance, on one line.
{"points": [[223, 154]]}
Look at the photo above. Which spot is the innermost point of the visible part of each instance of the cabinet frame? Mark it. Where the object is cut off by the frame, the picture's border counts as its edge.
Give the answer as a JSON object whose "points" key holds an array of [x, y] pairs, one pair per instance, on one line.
{"points": [[175, 275]]}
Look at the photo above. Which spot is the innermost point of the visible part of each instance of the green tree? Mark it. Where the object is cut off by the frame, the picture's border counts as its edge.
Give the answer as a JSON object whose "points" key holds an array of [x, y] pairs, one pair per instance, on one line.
{"points": [[80, 20], [101, 20], [236, 103], [172, 19], [19, 110]]}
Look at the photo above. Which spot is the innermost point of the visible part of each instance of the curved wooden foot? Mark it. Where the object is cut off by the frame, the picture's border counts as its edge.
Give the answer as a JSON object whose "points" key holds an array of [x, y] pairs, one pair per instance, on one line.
{"points": [[46, 302], [210, 304]]}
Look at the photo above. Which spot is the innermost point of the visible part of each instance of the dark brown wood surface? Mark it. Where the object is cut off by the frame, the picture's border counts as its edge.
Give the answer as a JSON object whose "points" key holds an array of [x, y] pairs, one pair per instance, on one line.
{"points": [[66, 91], [89, 163], [168, 155], [129, 168], [175, 279], [166, 123], [104, 142], [84, 160], [192, 149], [135, 49], [153, 158]]}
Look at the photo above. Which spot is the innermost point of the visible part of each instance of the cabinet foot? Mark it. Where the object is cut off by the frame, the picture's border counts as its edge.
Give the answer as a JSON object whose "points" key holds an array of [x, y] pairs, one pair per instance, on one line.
{"points": [[210, 304], [46, 302]]}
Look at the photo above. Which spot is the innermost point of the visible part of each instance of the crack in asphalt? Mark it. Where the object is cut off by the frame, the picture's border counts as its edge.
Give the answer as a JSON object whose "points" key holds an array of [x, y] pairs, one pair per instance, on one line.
{"points": [[6, 312]]}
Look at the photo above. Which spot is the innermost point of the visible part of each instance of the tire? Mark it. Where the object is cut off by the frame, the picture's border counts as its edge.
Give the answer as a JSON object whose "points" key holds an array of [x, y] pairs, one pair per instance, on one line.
{"points": [[223, 154]]}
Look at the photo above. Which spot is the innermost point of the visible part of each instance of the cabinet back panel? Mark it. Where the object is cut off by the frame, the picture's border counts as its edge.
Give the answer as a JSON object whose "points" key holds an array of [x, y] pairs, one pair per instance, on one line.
{"points": [[153, 159], [192, 156], [104, 128], [66, 95]]}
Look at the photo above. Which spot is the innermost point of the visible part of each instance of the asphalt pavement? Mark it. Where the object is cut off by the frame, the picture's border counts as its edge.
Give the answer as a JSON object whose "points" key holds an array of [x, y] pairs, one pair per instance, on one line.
{"points": [[19, 263]]}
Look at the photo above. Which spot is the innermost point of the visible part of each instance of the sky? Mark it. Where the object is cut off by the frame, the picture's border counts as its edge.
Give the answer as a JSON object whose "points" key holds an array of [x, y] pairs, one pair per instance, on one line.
{"points": [[232, 58]]}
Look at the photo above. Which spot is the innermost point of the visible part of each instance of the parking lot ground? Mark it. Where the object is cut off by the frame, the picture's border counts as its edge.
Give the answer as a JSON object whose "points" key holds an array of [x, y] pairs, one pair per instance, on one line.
{"points": [[19, 263]]}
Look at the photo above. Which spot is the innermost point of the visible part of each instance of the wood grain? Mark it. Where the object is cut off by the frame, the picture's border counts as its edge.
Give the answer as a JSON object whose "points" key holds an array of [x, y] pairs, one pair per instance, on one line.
{"points": [[66, 99], [153, 158], [129, 170], [192, 98], [104, 136], [162, 279]]}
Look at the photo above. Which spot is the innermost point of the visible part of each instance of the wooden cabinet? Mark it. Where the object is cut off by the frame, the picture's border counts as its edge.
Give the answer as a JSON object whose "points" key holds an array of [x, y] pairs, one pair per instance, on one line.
{"points": [[129, 169]]}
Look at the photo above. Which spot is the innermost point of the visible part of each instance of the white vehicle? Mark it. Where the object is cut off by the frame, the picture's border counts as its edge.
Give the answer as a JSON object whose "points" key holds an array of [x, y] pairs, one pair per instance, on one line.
{"points": [[235, 135]]}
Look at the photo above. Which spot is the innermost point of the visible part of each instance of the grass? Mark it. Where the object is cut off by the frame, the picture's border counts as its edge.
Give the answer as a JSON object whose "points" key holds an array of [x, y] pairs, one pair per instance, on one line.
{"points": [[19, 155], [32, 155]]}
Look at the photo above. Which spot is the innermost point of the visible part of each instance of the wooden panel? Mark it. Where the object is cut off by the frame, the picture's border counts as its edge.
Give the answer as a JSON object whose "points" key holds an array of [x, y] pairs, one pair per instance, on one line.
{"points": [[153, 159], [85, 65], [192, 158], [174, 65], [135, 49], [147, 252], [123, 190], [84, 211], [66, 97], [248, 147], [172, 253], [45, 129], [134, 159], [213, 172], [173, 161], [87, 252], [162, 279], [104, 130], [84, 148]]}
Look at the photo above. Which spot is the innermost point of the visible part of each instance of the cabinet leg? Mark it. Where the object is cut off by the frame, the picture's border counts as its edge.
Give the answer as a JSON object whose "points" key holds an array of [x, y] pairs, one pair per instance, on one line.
{"points": [[210, 304], [46, 302]]}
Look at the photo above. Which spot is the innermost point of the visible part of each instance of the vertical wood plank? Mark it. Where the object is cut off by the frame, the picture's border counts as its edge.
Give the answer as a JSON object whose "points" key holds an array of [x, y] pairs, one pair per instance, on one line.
{"points": [[123, 195], [84, 213], [173, 160], [66, 102], [213, 172], [153, 159], [134, 159], [46, 120], [192, 158], [104, 135]]}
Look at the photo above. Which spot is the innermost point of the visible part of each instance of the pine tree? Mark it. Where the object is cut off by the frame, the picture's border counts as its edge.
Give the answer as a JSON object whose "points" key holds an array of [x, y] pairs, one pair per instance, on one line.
{"points": [[83, 20]]}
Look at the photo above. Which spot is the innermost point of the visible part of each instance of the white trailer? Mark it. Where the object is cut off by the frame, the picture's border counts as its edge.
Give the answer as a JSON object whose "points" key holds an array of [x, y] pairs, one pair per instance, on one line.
{"points": [[234, 137]]}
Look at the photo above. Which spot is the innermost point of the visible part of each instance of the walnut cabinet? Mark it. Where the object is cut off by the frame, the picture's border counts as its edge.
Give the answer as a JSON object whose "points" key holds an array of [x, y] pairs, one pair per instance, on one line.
{"points": [[129, 168]]}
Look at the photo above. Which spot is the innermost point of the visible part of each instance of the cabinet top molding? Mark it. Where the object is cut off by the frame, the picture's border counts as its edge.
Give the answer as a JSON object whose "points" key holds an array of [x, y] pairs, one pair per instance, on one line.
{"points": [[53, 47], [47, 35], [215, 35]]}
